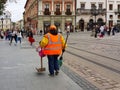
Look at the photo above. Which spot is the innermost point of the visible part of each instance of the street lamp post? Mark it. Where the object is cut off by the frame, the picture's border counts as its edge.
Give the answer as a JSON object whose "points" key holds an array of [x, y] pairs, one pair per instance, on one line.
{"points": [[2, 22], [95, 12]]}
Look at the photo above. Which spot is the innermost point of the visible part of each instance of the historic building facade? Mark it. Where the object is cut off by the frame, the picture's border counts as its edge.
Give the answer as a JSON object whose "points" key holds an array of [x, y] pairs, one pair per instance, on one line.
{"points": [[5, 20], [58, 12], [80, 14], [40, 14], [86, 14], [113, 12], [31, 14]]}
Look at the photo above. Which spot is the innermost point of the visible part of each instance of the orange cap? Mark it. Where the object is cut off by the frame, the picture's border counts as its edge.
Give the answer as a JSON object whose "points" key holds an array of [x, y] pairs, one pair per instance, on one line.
{"points": [[52, 27]]}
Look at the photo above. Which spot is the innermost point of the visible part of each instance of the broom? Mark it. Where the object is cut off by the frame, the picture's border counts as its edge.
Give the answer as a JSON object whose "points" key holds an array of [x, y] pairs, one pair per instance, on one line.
{"points": [[41, 69], [60, 60]]}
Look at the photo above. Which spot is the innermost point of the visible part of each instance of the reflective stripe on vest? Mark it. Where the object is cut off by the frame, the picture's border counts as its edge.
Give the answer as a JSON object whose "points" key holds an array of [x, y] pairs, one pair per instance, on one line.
{"points": [[53, 47]]}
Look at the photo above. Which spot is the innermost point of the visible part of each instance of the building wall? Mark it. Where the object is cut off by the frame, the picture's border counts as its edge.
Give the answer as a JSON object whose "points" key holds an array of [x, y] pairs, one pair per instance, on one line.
{"points": [[86, 14], [6, 23], [31, 14], [5, 20], [115, 19], [61, 20], [35, 10], [19, 25]]}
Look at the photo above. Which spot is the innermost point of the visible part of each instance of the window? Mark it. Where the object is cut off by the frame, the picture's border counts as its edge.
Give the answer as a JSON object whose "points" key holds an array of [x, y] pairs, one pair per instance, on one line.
{"points": [[58, 6], [68, 6], [118, 16], [111, 16], [47, 12], [68, 12], [57, 12], [100, 6], [82, 6], [118, 7], [92, 5], [46, 5], [111, 7]]}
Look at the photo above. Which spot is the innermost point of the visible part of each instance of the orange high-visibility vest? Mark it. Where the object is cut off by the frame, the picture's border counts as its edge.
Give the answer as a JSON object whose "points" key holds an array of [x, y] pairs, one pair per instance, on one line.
{"points": [[54, 46]]}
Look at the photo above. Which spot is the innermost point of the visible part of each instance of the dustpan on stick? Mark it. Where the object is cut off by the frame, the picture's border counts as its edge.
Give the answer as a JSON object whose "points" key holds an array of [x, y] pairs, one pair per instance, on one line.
{"points": [[60, 60]]}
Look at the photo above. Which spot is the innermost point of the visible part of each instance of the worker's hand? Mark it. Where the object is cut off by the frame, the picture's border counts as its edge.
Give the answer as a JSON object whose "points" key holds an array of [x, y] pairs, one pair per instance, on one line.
{"points": [[63, 50]]}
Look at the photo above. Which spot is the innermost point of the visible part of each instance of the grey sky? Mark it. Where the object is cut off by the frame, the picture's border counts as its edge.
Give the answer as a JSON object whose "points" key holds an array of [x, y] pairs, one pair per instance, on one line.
{"points": [[16, 9]]}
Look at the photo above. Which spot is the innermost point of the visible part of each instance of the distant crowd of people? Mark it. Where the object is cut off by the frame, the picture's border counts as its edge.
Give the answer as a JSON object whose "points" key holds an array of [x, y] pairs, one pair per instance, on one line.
{"points": [[11, 35], [103, 30], [16, 35]]}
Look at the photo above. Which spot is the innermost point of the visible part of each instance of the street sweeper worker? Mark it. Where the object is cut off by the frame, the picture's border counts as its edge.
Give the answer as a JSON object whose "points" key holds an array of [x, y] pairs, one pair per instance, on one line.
{"points": [[53, 44]]}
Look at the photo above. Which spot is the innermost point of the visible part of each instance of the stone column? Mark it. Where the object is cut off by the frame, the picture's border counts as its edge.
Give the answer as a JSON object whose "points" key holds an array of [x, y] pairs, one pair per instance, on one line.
{"points": [[73, 4], [63, 8], [73, 23], [40, 23], [52, 12], [63, 24], [52, 20], [40, 12]]}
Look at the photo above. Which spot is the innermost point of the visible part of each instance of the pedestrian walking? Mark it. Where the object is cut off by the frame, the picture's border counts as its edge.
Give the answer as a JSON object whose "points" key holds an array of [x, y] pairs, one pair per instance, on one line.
{"points": [[40, 32], [109, 30], [19, 34], [96, 31], [30, 37], [101, 31], [13, 36], [113, 30], [53, 45], [2, 34]]}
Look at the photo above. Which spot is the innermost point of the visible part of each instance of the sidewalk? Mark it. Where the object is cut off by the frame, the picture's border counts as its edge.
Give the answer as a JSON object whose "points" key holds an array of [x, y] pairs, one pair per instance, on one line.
{"points": [[17, 70]]}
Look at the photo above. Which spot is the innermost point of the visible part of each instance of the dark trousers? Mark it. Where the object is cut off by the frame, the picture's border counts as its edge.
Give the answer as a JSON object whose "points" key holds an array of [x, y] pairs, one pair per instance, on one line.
{"points": [[53, 63], [13, 37]]}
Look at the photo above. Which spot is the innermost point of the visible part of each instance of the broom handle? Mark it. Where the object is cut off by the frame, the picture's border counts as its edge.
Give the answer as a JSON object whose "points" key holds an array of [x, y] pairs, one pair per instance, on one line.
{"points": [[65, 44], [41, 62]]}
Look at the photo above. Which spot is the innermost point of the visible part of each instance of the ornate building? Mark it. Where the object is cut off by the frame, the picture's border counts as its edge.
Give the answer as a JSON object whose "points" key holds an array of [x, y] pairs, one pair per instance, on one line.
{"points": [[46, 12], [31, 14], [113, 12], [89, 13], [5, 20], [58, 12]]}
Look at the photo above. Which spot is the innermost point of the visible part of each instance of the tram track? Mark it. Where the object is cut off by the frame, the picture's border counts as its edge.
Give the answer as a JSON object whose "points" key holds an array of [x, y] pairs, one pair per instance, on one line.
{"points": [[96, 60], [102, 65], [93, 53], [110, 43], [88, 67]]}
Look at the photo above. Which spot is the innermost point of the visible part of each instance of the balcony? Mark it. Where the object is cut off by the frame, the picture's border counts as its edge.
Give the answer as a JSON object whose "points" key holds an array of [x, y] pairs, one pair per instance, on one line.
{"points": [[68, 12], [81, 11], [117, 11], [57, 12], [47, 12]]}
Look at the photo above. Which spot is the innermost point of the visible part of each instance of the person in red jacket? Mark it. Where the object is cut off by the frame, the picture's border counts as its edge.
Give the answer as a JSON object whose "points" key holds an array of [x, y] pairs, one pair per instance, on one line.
{"points": [[30, 37], [53, 45]]}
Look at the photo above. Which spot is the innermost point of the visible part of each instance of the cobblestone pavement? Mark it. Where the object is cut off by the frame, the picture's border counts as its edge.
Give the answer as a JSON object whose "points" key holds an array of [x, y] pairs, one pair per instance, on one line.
{"points": [[17, 70], [76, 78], [104, 83], [84, 74]]}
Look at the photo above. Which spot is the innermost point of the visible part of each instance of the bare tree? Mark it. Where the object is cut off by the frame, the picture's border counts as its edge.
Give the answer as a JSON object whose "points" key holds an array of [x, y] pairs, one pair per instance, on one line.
{"points": [[2, 4]]}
